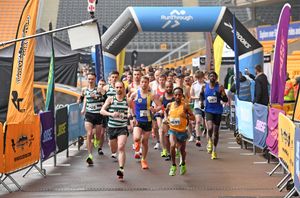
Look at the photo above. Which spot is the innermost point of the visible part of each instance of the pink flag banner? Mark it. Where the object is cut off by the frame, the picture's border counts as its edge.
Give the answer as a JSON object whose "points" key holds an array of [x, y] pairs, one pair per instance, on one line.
{"points": [[272, 138], [280, 56]]}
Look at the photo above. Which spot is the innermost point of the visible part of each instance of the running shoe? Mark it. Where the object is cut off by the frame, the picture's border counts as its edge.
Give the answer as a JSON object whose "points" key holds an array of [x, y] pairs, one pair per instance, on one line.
{"points": [[182, 169], [144, 164], [168, 158], [96, 142], [177, 153], [137, 146], [198, 143], [157, 146], [133, 146], [192, 139], [164, 153], [120, 173], [209, 146], [137, 155], [114, 155], [89, 160], [213, 155], [100, 152], [173, 170]]}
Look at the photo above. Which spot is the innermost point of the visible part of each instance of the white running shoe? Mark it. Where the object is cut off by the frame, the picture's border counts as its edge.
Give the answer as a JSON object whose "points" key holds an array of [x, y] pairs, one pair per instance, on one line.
{"points": [[157, 146], [192, 139], [114, 155]]}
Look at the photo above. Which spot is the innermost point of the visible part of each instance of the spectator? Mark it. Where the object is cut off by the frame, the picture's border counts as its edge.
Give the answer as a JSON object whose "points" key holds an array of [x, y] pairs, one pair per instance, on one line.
{"points": [[261, 93], [289, 90], [245, 91]]}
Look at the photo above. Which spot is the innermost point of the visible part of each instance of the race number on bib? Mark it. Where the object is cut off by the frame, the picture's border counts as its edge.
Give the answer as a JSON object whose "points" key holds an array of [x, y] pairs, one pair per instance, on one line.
{"points": [[93, 106], [212, 99], [175, 121], [144, 113]]}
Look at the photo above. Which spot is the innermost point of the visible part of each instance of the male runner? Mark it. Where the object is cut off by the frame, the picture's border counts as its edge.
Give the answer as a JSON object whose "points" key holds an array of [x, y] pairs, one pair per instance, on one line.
{"points": [[116, 107], [178, 113]]}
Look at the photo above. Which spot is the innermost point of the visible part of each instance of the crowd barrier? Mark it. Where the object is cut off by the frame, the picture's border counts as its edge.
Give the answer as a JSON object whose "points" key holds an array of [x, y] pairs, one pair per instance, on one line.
{"points": [[271, 128], [260, 128], [24, 145]]}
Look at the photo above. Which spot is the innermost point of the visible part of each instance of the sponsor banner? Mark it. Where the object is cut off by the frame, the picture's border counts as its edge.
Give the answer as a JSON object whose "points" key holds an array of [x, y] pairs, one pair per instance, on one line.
{"points": [[1, 149], [48, 144], [268, 33], [81, 123], [286, 135], [62, 129], [272, 138], [244, 114], [246, 41], [297, 160], [260, 127], [252, 59], [218, 49], [119, 34], [73, 121], [110, 64], [280, 56], [20, 105], [177, 19], [22, 145]]}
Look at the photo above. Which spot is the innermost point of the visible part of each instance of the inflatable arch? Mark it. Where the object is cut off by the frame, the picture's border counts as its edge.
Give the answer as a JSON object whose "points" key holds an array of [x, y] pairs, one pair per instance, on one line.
{"points": [[179, 19]]}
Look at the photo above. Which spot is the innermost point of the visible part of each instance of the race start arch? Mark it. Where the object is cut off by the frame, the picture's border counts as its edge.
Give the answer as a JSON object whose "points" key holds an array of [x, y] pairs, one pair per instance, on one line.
{"points": [[179, 19]]}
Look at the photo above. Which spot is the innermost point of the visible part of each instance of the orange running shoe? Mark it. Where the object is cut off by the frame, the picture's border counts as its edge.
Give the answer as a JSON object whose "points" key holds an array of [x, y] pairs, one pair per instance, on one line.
{"points": [[137, 146], [144, 164]]}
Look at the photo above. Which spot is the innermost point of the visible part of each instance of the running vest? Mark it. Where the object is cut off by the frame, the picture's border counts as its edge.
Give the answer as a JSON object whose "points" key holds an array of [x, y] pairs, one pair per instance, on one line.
{"points": [[213, 100], [165, 101], [94, 105], [111, 91], [177, 118], [122, 108], [142, 108]]}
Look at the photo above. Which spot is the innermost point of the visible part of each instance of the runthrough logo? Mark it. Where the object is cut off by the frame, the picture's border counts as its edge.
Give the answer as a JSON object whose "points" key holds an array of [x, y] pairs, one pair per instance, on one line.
{"points": [[176, 16]]}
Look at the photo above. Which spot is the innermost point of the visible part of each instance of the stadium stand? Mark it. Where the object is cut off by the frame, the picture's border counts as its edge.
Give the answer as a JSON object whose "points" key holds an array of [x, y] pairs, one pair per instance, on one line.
{"points": [[107, 11]]}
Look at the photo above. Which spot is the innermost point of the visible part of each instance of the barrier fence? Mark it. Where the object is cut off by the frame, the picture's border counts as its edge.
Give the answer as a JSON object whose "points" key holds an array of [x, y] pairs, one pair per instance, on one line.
{"points": [[24, 145], [272, 129]]}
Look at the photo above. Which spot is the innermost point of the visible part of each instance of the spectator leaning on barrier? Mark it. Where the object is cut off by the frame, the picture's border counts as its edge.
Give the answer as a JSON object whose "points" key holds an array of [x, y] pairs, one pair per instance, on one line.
{"points": [[245, 91], [261, 95]]}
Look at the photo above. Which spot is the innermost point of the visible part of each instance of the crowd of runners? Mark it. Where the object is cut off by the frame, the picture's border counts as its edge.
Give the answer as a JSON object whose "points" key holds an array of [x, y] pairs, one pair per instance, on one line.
{"points": [[172, 106]]}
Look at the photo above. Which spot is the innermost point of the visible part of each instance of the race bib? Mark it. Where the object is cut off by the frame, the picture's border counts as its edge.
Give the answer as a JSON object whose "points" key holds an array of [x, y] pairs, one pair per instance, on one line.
{"points": [[93, 106], [212, 99], [144, 113], [175, 121]]}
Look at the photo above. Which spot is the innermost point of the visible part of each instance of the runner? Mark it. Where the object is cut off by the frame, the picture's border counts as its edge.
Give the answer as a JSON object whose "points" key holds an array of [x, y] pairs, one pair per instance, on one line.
{"points": [[163, 131], [195, 95], [213, 93], [110, 91], [92, 104], [116, 107], [178, 113], [157, 121], [142, 119]]}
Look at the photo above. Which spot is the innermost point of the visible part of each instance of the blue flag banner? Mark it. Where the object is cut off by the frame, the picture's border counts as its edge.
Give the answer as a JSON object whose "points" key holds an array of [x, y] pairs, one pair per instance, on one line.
{"points": [[48, 143], [244, 114], [236, 58], [74, 121], [297, 160], [99, 68], [260, 127]]}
